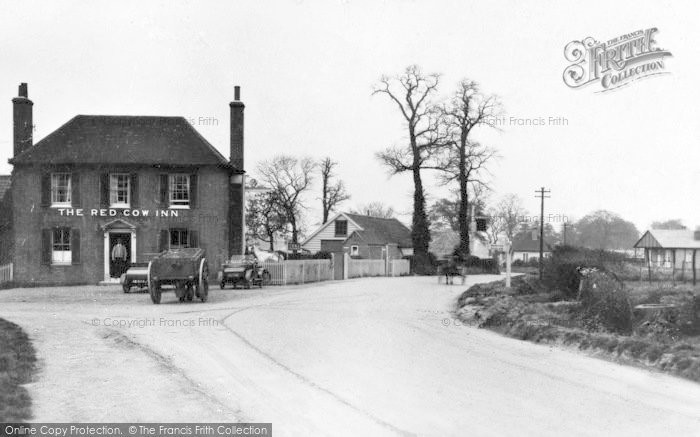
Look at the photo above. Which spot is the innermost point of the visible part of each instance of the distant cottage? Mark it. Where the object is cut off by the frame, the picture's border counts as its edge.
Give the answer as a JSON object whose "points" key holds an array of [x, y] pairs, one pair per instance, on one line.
{"points": [[361, 236], [147, 183]]}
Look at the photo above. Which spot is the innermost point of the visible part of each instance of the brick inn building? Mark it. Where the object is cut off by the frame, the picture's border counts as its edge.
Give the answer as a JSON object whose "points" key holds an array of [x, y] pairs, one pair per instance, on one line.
{"points": [[147, 183]]}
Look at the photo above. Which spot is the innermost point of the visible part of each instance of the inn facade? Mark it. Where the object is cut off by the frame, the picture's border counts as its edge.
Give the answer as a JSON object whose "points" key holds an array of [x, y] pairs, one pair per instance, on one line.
{"points": [[147, 183]]}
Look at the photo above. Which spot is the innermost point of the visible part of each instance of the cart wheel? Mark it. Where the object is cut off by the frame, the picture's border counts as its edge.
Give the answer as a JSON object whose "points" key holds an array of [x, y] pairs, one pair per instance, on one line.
{"points": [[153, 286], [203, 286], [266, 278], [155, 292]]}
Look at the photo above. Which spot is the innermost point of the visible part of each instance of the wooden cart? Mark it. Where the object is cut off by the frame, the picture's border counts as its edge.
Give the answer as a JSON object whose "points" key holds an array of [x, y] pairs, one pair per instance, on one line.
{"points": [[184, 271]]}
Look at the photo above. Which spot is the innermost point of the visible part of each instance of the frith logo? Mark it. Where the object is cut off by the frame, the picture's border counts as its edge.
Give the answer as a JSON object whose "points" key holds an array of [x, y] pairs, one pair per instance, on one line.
{"points": [[616, 62]]}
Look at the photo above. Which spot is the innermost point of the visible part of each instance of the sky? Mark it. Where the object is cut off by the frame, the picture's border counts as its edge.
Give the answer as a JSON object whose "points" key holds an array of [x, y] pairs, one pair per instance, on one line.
{"points": [[307, 68]]}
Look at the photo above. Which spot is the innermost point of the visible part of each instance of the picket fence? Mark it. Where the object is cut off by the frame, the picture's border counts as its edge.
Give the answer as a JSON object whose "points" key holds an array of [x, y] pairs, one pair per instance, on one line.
{"points": [[6, 273], [299, 271]]}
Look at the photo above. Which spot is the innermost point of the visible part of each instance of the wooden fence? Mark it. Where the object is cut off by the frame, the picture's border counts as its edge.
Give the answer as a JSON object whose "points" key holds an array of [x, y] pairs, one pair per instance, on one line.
{"points": [[6, 273], [399, 267], [360, 268], [299, 271]]}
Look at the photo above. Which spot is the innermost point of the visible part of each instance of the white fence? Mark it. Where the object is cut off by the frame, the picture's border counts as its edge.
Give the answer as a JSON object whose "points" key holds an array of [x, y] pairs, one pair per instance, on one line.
{"points": [[6, 273], [399, 267], [299, 271], [360, 268]]}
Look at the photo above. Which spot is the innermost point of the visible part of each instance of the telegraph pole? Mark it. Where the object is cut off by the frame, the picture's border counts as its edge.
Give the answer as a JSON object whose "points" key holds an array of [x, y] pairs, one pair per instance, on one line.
{"points": [[542, 194], [565, 225]]}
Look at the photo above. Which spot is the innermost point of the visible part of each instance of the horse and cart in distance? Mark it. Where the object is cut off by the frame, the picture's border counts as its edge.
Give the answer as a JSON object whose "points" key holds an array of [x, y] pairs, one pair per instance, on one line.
{"points": [[185, 271]]}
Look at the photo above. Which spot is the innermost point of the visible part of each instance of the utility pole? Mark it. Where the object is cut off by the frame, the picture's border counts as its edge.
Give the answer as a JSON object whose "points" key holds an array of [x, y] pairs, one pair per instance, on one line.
{"points": [[565, 225], [542, 194]]}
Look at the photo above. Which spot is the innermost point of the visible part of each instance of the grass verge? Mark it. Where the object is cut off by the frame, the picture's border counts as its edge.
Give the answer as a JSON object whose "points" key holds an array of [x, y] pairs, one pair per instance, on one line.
{"points": [[528, 312], [17, 364]]}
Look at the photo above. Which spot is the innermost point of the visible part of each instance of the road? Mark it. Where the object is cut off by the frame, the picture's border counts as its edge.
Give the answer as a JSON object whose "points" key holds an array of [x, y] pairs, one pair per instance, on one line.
{"points": [[380, 356]]}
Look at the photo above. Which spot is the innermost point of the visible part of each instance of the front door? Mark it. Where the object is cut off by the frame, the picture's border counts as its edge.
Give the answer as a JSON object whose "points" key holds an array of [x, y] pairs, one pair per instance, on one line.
{"points": [[119, 253]]}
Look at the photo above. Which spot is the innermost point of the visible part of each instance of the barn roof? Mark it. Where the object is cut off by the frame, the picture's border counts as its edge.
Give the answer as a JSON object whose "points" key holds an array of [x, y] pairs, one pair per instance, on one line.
{"points": [[668, 239], [108, 139]]}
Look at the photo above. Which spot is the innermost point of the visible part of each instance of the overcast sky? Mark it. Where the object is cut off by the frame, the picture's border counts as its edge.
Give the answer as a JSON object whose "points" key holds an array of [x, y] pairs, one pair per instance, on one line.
{"points": [[306, 69]]}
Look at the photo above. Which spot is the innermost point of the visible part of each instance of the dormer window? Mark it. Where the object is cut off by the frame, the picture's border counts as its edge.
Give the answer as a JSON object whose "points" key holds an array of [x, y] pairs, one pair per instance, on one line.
{"points": [[60, 189], [341, 228]]}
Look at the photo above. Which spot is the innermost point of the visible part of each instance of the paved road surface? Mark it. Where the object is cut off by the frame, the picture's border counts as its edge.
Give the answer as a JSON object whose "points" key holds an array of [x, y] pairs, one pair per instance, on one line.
{"points": [[377, 356]]}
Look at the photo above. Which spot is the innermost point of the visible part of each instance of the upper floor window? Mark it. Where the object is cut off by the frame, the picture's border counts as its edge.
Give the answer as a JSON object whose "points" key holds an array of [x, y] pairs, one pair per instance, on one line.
{"points": [[60, 189], [341, 228], [119, 190], [179, 189]]}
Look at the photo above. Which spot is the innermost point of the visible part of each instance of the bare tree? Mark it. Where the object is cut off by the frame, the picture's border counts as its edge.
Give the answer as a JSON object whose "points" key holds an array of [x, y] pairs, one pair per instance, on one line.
{"points": [[374, 209], [333, 192], [411, 92], [265, 217], [289, 177], [507, 216], [466, 159]]}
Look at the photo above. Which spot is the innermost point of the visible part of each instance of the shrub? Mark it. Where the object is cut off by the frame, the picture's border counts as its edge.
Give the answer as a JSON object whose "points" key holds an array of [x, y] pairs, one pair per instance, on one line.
{"points": [[561, 269], [321, 254], [605, 304]]}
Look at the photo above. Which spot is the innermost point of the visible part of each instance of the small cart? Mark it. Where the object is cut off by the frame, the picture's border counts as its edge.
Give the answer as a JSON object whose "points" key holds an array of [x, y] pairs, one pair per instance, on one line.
{"points": [[135, 276], [183, 270]]}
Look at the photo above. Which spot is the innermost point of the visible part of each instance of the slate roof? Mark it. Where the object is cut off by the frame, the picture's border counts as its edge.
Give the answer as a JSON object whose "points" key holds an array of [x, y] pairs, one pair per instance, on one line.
{"points": [[669, 239], [381, 231], [100, 139], [4, 185], [529, 244]]}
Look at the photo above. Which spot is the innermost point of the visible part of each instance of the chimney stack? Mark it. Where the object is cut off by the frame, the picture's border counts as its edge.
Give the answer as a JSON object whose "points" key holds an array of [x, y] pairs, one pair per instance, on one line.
{"points": [[696, 234], [23, 125], [236, 151]]}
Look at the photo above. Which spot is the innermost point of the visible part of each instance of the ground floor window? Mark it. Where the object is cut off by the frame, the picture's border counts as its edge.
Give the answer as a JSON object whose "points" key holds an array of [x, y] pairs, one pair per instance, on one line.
{"points": [[525, 257], [179, 238], [354, 250], [60, 245]]}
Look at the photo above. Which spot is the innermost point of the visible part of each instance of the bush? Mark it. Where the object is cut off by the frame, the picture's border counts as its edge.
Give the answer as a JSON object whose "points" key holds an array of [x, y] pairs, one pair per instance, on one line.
{"points": [[605, 304], [321, 254], [561, 269]]}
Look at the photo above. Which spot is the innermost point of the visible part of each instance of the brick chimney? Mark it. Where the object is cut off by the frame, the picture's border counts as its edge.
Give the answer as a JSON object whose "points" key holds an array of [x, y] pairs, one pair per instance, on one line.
{"points": [[22, 120], [237, 189], [237, 108], [696, 234]]}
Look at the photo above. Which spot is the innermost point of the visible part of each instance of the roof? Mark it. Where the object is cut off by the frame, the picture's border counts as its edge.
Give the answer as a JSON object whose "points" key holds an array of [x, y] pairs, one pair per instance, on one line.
{"points": [[668, 239], [4, 185], [100, 139], [530, 244], [375, 230], [372, 230]]}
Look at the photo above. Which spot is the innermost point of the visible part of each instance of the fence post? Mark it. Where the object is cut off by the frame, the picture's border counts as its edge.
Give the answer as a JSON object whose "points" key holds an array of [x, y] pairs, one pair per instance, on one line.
{"points": [[346, 265], [12, 271]]}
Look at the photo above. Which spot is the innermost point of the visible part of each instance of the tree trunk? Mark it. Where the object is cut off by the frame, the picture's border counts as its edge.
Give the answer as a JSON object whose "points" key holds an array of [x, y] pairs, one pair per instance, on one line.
{"points": [[271, 236], [463, 215], [420, 234]]}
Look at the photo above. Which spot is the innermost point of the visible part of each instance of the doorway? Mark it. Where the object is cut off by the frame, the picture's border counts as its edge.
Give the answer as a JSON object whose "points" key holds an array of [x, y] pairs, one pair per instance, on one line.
{"points": [[119, 253]]}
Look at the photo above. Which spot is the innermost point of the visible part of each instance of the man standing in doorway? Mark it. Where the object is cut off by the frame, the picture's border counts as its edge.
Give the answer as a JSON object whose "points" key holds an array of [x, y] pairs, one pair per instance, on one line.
{"points": [[119, 257]]}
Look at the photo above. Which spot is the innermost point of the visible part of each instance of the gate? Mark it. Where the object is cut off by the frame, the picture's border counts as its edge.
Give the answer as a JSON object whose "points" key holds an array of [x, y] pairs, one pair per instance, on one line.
{"points": [[338, 265]]}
